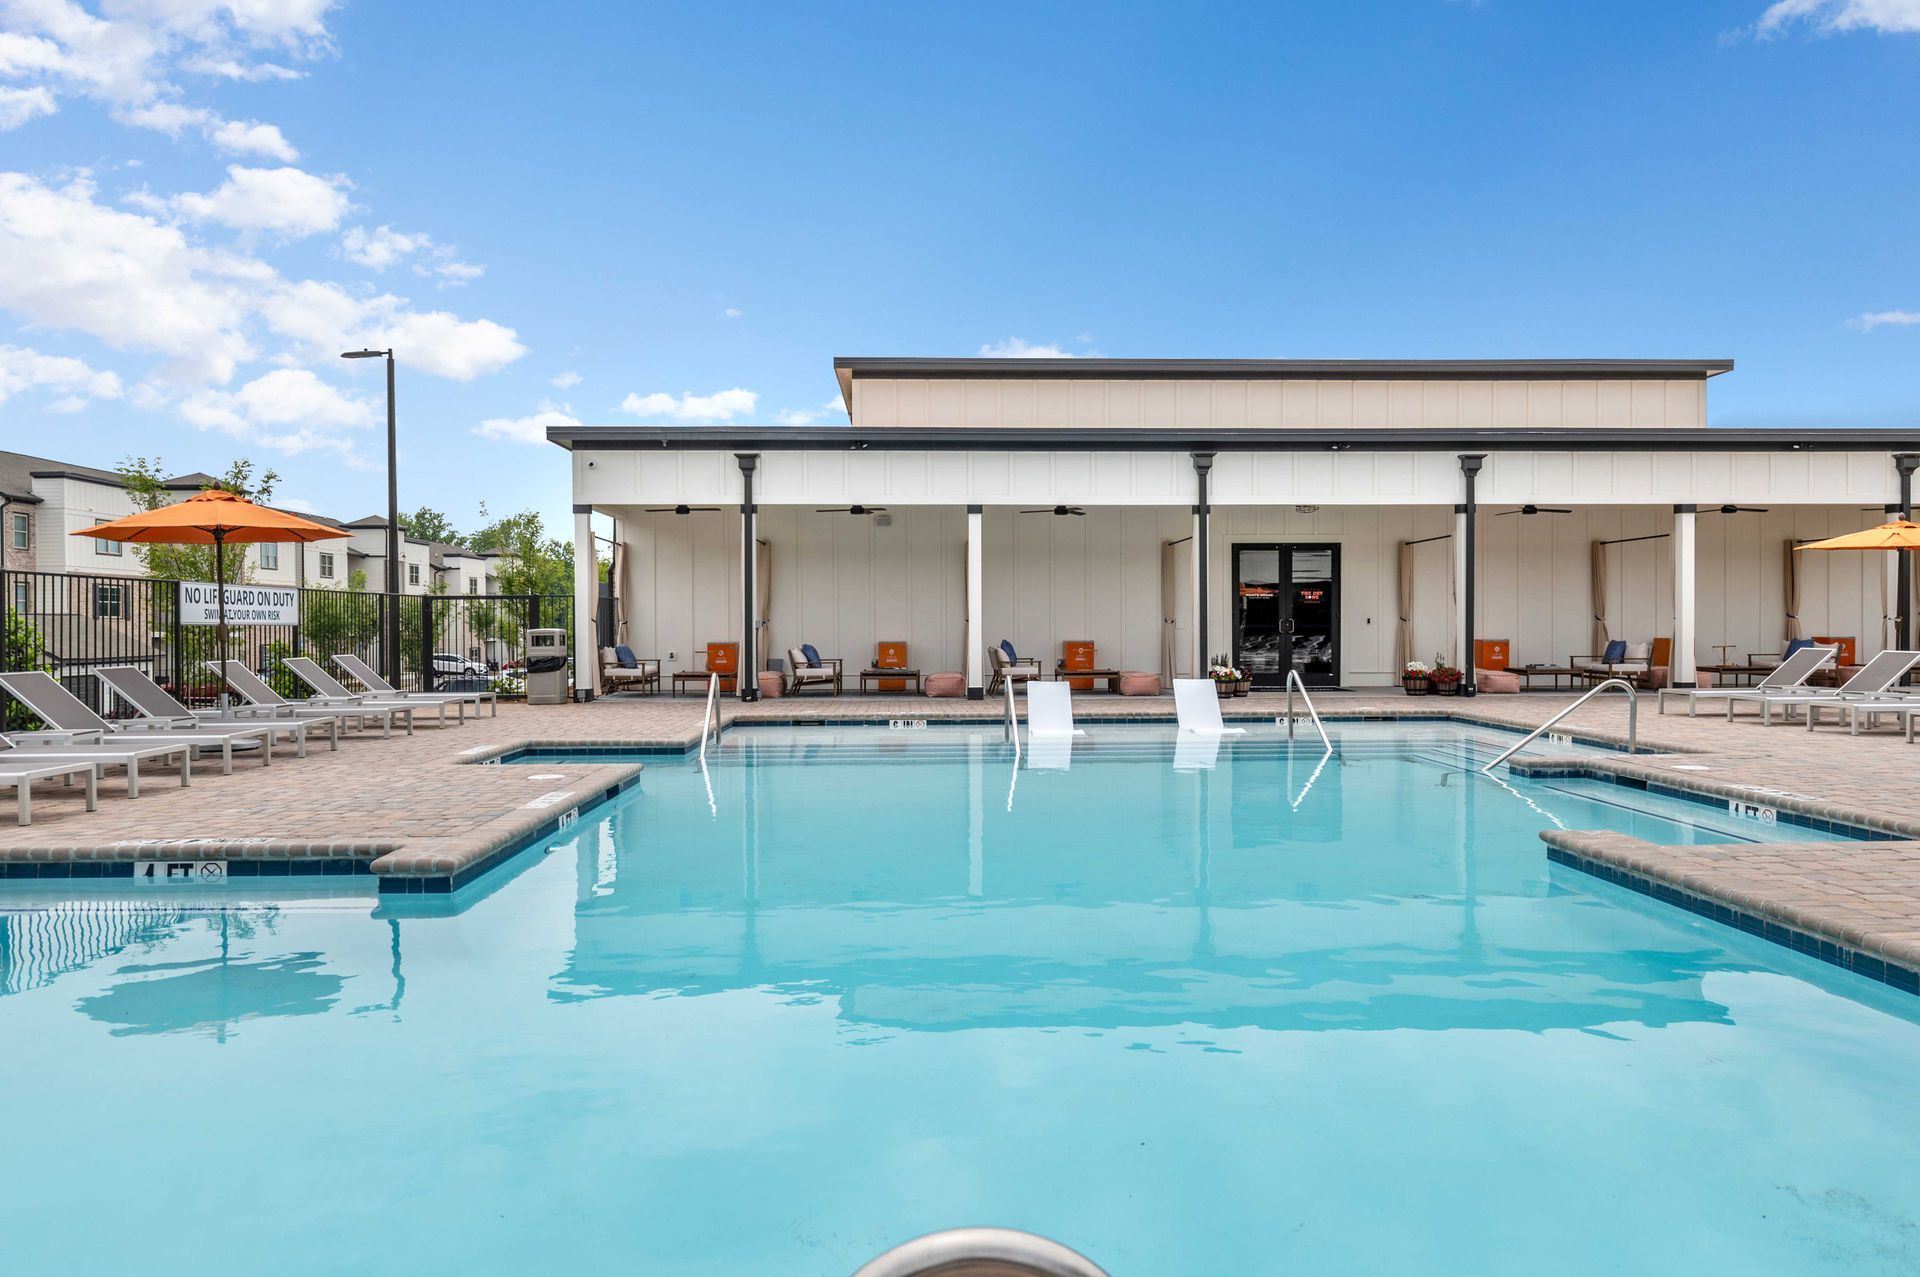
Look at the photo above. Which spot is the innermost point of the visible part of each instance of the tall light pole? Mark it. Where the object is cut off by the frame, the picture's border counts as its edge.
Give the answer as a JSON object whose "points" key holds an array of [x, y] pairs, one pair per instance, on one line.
{"points": [[390, 637]]}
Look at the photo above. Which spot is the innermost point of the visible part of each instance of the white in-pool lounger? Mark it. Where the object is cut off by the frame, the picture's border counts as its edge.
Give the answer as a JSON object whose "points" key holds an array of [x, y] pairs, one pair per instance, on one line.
{"points": [[21, 773], [1050, 729], [66, 713], [365, 675], [1869, 683], [1197, 703], [255, 691], [164, 712], [328, 690], [1789, 675]]}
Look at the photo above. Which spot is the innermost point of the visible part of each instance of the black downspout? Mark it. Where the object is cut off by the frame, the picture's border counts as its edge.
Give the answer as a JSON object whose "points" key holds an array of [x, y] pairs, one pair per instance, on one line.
{"points": [[749, 675], [1469, 469], [1203, 546], [1903, 464]]}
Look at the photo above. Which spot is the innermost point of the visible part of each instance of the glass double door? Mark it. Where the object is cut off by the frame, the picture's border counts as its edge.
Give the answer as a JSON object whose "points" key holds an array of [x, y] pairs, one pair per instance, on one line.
{"points": [[1286, 613]]}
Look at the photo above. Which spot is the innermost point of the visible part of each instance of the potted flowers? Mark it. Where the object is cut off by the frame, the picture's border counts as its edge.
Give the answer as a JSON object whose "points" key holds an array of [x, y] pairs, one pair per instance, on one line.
{"points": [[1417, 678], [1446, 680], [1228, 681]]}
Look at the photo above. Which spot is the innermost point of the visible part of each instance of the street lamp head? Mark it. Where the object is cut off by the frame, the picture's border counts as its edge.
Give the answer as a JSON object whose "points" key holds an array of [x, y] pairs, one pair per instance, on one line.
{"points": [[364, 354]]}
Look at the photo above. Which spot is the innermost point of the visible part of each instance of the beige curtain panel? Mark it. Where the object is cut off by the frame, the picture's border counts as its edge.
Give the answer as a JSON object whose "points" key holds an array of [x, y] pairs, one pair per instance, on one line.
{"points": [[1792, 580], [1169, 610], [763, 599], [1597, 587], [1403, 636]]}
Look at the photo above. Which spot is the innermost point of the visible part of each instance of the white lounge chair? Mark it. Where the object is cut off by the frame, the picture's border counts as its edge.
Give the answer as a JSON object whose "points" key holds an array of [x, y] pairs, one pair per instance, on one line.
{"points": [[1788, 675], [1197, 703], [254, 690], [368, 677], [162, 711], [1050, 729], [21, 773], [1869, 683], [82, 749], [328, 690], [69, 716]]}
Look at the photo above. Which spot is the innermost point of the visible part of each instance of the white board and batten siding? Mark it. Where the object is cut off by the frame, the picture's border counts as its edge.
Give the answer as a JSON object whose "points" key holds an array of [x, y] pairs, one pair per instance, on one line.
{"points": [[612, 478]]}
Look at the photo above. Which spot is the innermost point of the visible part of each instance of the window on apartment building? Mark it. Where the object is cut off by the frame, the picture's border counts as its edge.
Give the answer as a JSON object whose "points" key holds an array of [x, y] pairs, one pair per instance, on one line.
{"points": [[23, 597], [473, 585], [413, 574], [109, 601], [20, 529], [269, 556], [326, 566], [103, 546]]}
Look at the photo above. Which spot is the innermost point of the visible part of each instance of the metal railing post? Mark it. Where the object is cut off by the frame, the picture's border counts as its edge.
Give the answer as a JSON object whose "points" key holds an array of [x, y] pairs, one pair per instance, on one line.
{"points": [[426, 642], [1294, 680], [1012, 723], [1633, 721]]}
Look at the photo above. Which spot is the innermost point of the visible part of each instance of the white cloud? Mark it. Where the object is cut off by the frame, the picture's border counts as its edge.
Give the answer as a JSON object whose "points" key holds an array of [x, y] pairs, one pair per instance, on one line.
{"points": [[250, 137], [17, 106], [290, 410], [1875, 318], [732, 312], [722, 405], [299, 505], [566, 380], [834, 407], [236, 137], [23, 369], [1020, 348], [525, 429], [1836, 17], [381, 247], [288, 200]]}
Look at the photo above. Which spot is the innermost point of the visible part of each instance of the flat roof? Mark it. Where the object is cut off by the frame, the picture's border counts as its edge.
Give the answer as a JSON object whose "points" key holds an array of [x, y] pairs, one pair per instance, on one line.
{"points": [[1273, 439], [909, 366]]}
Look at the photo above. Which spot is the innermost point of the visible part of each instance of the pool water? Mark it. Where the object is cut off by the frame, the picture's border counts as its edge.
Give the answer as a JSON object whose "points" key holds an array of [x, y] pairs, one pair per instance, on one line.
{"points": [[1246, 1010]]}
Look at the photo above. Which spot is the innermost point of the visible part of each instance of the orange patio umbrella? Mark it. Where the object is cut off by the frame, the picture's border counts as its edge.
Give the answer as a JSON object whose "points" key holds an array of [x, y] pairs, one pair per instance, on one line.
{"points": [[213, 517], [1900, 534]]}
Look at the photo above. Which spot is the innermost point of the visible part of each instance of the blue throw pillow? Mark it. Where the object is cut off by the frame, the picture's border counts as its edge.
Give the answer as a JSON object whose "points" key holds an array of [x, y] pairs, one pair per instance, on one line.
{"points": [[1616, 652], [812, 654], [1008, 649], [1795, 646], [624, 654]]}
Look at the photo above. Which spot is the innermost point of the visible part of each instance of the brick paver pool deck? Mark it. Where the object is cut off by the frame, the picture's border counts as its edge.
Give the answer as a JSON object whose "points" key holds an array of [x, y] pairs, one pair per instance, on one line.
{"points": [[420, 808]]}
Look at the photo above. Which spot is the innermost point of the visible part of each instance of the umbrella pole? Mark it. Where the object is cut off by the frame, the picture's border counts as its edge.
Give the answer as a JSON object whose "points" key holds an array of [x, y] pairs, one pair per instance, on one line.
{"points": [[220, 606]]}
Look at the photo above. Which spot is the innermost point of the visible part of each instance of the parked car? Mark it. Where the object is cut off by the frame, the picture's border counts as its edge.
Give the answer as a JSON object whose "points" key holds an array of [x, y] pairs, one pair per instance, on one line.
{"points": [[447, 664]]}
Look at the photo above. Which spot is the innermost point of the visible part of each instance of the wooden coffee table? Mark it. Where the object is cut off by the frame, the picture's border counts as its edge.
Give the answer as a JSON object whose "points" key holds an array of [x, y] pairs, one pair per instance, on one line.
{"points": [[1112, 677], [1528, 673], [904, 676]]}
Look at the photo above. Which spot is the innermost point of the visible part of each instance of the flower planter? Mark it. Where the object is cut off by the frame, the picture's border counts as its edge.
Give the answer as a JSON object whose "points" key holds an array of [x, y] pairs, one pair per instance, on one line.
{"points": [[1451, 687], [1224, 687], [1243, 687], [1417, 686]]}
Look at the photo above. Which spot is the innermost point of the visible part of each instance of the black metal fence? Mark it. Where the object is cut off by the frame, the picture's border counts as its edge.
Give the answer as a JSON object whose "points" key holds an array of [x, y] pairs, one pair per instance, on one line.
{"points": [[71, 624]]}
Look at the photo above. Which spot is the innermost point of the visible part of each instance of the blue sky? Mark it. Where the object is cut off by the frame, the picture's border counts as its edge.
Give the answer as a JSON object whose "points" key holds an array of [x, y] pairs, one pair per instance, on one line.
{"points": [[631, 213]]}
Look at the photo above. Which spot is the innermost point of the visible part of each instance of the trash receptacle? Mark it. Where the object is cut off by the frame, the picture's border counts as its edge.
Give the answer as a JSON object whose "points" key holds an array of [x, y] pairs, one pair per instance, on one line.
{"points": [[547, 667]]}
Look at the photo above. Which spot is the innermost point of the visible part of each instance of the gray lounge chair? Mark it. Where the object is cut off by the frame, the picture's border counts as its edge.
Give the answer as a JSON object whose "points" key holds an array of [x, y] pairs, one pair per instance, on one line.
{"points": [[163, 711], [67, 714], [21, 773], [365, 675], [82, 749], [327, 690], [1788, 675], [254, 690], [1869, 683]]}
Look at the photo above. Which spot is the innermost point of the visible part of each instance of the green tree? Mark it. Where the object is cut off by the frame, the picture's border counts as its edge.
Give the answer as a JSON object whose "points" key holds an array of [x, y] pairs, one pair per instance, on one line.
{"points": [[532, 562], [430, 525], [25, 650], [145, 481]]}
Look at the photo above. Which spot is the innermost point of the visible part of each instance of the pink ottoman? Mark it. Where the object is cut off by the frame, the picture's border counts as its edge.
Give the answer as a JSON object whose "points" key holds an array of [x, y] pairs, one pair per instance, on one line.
{"points": [[946, 684], [1496, 680], [1139, 683]]}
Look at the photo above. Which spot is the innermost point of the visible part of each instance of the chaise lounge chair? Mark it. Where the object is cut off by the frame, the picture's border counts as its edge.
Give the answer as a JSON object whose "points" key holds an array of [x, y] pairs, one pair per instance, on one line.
{"points": [[254, 690], [163, 712], [67, 715], [810, 669], [1197, 703], [1787, 676], [622, 671], [79, 751], [21, 773], [365, 675], [328, 690], [1869, 685]]}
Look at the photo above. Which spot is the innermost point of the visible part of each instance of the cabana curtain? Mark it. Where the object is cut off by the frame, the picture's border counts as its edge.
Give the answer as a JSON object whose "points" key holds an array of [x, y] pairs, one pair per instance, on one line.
{"points": [[1169, 611], [763, 599], [1792, 580], [1598, 596], [1403, 637]]}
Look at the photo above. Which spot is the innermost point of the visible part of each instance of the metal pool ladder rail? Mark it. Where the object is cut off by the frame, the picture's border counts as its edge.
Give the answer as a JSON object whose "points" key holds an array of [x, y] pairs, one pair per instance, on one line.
{"points": [[711, 722], [1293, 681], [1633, 721], [981, 1252], [1012, 724]]}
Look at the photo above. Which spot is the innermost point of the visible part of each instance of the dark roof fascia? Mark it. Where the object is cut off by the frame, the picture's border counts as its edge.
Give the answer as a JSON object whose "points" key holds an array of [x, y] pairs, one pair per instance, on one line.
{"points": [[1082, 439], [100, 477], [20, 498], [1268, 369]]}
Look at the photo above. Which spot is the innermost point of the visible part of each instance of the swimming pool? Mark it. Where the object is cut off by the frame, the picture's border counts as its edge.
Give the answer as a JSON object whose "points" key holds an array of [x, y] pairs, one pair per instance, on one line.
{"points": [[1188, 1012]]}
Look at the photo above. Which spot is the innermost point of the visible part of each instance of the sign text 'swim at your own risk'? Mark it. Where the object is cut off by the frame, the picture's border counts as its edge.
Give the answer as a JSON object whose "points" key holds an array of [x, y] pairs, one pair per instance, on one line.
{"points": [[246, 604]]}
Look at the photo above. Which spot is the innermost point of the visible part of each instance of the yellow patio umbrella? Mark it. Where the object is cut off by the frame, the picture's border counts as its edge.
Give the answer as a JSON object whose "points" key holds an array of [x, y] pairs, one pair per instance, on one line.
{"points": [[1900, 534], [213, 517]]}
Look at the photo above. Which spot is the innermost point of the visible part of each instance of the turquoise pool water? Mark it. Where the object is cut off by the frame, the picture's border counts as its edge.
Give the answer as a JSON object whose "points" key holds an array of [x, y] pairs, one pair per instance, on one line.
{"points": [[1188, 1014]]}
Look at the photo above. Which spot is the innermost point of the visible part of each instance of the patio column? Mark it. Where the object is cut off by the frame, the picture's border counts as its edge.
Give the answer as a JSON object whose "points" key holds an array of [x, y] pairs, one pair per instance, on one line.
{"points": [[1903, 465], [1469, 518], [586, 606], [1682, 673], [747, 685], [1202, 543], [976, 596]]}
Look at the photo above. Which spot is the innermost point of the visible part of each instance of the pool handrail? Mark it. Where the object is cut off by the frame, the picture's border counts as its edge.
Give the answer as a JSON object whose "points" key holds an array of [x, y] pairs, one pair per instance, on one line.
{"points": [[981, 1252], [1294, 680], [1633, 720], [711, 721], [1011, 725]]}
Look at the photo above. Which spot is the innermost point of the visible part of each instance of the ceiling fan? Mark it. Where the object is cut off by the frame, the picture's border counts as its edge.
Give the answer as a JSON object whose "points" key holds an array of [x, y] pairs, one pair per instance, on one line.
{"points": [[853, 509], [1739, 509], [1535, 509], [683, 509], [1062, 510]]}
